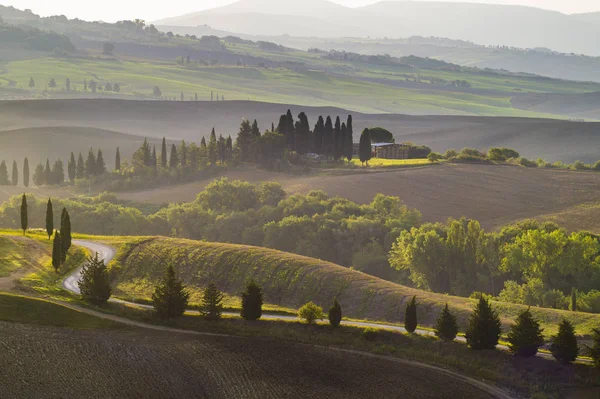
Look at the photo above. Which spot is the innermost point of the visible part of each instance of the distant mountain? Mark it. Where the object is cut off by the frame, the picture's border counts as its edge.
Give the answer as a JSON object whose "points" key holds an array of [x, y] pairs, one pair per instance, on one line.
{"points": [[489, 24]]}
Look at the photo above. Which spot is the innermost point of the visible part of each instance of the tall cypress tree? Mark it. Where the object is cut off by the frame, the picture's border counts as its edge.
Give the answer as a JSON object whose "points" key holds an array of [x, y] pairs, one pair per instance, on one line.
{"points": [[153, 159], [252, 301], [15, 174], [410, 316], [349, 142], [289, 131], [56, 252], [26, 172], [244, 140], [228, 149], [72, 168], [163, 153], [174, 158], [335, 314], [318, 132], [49, 218], [3, 174], [100, 164], [24, 217], [281, 126], [222, 149], [65, 232], [337, 139], [212, 148], [118, 160], [303, 136], [90, 164], [343, 138], [255, 129], [328, 138], [574, 299], [80, 169], [47, 173], [364, 147]]}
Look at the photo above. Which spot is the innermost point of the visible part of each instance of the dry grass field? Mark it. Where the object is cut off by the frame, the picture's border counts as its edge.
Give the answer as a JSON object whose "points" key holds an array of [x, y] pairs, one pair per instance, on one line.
{"points": [[291, 280], [134, 364], [494, 195]]}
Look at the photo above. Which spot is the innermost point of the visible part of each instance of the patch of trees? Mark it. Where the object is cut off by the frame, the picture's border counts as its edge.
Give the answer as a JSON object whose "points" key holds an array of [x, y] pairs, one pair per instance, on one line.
{"points": [[381, 135], [35, 39], [527, 263], [269, 46]]}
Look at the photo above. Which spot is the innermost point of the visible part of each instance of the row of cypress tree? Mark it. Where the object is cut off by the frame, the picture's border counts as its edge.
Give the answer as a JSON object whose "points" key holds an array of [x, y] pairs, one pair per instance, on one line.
{"points": [[14, 178]]}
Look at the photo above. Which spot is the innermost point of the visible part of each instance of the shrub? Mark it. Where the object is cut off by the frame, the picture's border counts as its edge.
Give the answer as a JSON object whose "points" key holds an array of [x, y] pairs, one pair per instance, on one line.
{"points": [[335, 314], [370, 334], [594, 350], [170, 298], [525, 337], [381, 135], [310, 312], [578, 165], [527, 163], [555, 299], [446, 327], [478, 294], [596, 166], [94, 284], [564, 345], [252, 301], [434, 157], [471, 153], [483, 331], [410, 316], [212, 306], [502, 154], [451, 153]]}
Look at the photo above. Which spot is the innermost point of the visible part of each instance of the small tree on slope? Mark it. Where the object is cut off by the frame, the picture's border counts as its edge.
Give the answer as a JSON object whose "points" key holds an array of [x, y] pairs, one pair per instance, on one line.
{"points": [[446, 328], [594, 350], [410, 317], [56, 252], [24, 217], [483, 331], [335, 314], [49, 218], [252, 301], [94, 283], [170, 298], [564, 345], [212, 305], [525, 337]]}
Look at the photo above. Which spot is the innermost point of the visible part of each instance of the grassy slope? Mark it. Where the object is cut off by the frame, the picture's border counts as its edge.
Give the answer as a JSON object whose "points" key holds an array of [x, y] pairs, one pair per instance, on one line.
{"points": [[292, 280], [13, 256]]}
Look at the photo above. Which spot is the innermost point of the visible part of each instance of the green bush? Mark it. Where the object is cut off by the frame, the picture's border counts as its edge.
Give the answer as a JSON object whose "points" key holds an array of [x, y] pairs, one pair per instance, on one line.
{"points": [[252, 301], [564, 346], [525, 337], [370, 334], [310, 312], [212, 303], [410, 316]]}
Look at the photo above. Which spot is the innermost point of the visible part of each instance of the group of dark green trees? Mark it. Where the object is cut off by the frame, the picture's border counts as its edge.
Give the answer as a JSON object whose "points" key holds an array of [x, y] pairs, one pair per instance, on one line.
{"points": [[62, 237], [524, 338], [43, 175], [13, 180]]}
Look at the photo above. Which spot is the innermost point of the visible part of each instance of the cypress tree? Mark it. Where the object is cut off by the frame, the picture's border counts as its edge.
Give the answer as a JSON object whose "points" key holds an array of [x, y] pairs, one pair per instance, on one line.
{"points": [[3, 174], [228, 149], [303, 136], [15, 174], [47, 173], [24, 217], [289, 131], [573, 299], [153, 159], [146, 153], [343, 138], [328, 138], [364, 147], [56, 252], [72, 168], [281, 126], [212, 305], [49, 218], [174, 159], [90, 164], [337, 139], [100, 164], [525, 337], [212, 148], [252, 301], [564, 346], [335, 314], [94, 284], [222, 149], [170, 298], [349, 142], [318, 132], [483, 331], [163, 153], [65, 231], [255, 129], [182, 154], [410, 316], [118, 160], [446, 327], [26, 173], [244, 140], [594, 350], [80, 169]]}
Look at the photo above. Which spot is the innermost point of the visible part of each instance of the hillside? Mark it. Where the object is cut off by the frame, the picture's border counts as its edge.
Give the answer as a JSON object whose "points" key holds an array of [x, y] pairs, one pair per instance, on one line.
{"points": [[292, 280], [509, 25], [550, 139]]}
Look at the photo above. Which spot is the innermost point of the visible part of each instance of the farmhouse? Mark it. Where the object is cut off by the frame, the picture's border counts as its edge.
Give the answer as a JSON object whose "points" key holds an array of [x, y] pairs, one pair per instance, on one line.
{"points": [[390, 150]]}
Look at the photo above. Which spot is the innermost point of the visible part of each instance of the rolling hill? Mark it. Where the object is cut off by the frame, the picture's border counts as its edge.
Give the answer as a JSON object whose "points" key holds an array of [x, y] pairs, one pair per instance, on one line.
{"points": [[488, 24], [291, 280]]}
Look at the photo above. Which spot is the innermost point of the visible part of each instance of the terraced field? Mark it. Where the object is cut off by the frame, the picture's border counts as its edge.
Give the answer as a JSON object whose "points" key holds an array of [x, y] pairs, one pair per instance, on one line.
{"points": [[133, 364]]}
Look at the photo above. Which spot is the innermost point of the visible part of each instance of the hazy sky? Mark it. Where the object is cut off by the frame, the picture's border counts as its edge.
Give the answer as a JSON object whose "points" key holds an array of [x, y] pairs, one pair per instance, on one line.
{"points": [[112, 10]]}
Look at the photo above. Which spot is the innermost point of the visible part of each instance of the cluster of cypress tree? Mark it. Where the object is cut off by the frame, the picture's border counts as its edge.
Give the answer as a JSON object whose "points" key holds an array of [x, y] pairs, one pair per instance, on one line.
{"points": [[62, 237], [332, 140]]}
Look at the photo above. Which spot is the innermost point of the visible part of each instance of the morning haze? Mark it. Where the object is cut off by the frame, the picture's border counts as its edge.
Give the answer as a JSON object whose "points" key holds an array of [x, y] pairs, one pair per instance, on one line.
{"points": [[268, 199]]}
